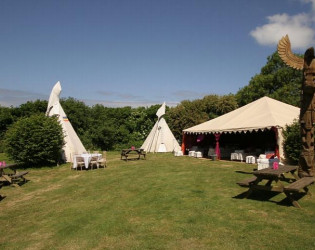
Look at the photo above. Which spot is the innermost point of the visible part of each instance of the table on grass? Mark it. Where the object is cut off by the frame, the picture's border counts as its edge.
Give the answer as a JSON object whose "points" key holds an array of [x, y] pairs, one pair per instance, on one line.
{"points": [[277, 180], [86, 157], [125, 153], [9, 174]]}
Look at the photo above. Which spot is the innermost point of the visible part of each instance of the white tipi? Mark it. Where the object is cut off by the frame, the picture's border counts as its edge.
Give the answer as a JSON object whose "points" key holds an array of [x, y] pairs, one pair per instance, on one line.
{"points": [[161, 138], [72, 142]]}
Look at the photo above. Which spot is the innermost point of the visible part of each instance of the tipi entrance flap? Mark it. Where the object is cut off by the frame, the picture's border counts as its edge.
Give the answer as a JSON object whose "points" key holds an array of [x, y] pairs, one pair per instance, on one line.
{"points": [[162, 148]]}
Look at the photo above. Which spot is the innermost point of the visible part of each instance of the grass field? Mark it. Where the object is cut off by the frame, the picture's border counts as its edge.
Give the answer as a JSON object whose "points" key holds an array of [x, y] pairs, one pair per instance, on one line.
{"points": [[163, 202]]}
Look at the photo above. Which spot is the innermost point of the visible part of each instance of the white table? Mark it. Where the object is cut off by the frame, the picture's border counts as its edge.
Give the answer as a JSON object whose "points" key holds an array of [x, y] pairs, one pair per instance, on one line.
{"points": [[86, 157]]}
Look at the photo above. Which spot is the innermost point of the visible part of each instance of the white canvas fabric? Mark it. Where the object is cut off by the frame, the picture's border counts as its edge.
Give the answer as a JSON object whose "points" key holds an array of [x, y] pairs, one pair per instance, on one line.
{"points": [[161, 111], [73, 143], [160, 139], [261, 114]]}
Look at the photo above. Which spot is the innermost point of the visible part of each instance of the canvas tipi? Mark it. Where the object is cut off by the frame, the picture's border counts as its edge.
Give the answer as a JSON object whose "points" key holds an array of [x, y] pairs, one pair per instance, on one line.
{"points": [[161, 138], [72, 142]]}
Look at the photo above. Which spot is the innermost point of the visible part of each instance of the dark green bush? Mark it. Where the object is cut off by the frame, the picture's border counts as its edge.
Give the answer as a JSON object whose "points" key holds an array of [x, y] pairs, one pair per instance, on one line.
{"points": [[34, 140], [292, 142]]}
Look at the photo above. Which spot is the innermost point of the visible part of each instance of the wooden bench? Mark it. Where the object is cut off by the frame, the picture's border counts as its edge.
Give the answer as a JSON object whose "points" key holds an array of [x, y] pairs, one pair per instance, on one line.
{"points": [[19, 175], [16, 177], [247, 182], [143, 153], [137, 152], [296, 186], [124, 153]]}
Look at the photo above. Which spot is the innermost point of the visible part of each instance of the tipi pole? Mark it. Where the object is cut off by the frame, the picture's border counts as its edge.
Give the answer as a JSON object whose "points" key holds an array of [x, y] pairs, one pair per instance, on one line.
{"points": [[158, 134], [150, 146]]}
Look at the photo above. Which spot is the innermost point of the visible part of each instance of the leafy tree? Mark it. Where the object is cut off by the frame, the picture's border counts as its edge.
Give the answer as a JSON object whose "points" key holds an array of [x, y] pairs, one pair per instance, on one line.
{"points": [[78, 114], [225, 104], [218, 105], [6, 119], [103, 136], [191, 113], [275, 80], [34, 140], [292, 142], [30, 108], [140, 123]]}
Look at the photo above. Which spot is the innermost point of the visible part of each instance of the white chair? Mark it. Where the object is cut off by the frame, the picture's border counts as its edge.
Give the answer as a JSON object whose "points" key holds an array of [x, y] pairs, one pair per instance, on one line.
{"points": [[250, 159], [197, 154], [101, 162], [240, 155], [80, 162], [94, 162], [234, 156], [191, 153], [178, 153]]}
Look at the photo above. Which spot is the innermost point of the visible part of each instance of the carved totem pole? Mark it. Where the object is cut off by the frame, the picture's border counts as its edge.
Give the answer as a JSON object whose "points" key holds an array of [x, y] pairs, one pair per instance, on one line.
{"points": [[307, 112]]}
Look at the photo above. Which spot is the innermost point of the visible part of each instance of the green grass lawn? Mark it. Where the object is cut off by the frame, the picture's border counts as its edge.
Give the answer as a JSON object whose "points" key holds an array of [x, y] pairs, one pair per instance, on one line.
{"points": [[163, 202]]}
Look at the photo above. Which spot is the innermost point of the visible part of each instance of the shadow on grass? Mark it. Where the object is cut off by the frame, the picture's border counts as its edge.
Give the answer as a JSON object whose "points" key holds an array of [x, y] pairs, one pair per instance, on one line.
{"points": [[287, 202], [19, 183], [25, 166], [257, 195], [2, 197], [244, 172], [132, 159], [263, 196]]}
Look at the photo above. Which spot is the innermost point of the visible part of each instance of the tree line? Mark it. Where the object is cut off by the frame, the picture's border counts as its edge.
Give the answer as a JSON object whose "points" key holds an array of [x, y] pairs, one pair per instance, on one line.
{"points": [[107, 128]]}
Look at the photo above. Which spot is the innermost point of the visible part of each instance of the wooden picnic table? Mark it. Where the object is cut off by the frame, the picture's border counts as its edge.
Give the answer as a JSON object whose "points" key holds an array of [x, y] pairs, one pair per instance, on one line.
{"points": [[125, 153], [11, 176], [274, 180]]}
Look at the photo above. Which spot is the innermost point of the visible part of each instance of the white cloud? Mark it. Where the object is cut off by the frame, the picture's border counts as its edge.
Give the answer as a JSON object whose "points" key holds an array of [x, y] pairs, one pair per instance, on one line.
{"points": [[298, 27]]}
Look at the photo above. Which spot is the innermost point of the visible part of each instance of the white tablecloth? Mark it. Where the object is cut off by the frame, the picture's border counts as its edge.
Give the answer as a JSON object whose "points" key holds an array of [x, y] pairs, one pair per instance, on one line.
{"points": [[87, 159]]}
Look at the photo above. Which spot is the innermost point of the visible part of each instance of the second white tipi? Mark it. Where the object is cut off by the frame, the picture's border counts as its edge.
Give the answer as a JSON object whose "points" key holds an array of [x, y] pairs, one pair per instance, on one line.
{"points": [[73, 144], [161, 138]]}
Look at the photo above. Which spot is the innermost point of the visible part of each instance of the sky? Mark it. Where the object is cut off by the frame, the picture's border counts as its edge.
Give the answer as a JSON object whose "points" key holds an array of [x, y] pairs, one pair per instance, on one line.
{"points": [[142, 52]]}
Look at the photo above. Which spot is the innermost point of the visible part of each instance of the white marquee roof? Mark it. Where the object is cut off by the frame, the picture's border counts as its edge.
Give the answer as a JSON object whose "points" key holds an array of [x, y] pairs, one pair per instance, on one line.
{"points": [[261, 114]]}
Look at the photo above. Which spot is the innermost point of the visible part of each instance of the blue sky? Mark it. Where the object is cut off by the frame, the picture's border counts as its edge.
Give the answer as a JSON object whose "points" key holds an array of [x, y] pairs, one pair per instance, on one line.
{"points": [[142, 52]]}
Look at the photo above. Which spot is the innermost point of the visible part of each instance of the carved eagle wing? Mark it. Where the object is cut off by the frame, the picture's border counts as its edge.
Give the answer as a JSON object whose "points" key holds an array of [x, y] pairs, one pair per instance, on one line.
{"points": [[285, 53]]}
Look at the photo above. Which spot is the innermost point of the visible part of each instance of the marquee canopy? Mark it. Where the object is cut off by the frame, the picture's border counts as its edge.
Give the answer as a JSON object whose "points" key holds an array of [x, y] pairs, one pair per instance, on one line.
{"points": [[264, 113], [261, 114]]}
